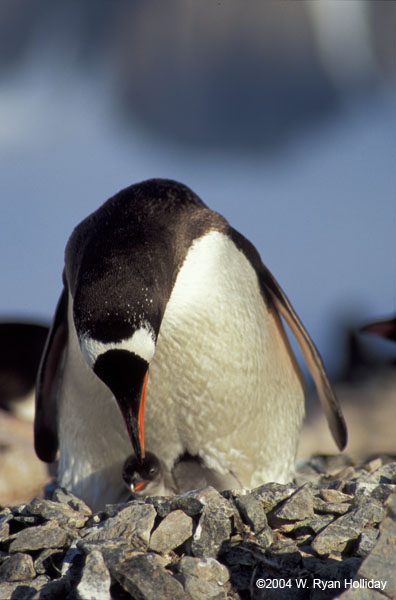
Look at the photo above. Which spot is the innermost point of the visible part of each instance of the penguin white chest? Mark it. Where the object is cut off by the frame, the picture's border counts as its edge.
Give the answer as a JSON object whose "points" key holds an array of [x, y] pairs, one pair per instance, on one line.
{"points": [[224, 383]]}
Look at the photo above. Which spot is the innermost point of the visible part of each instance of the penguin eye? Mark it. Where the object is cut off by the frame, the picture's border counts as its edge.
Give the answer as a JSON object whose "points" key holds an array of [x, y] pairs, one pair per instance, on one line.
{"points": [[152, 471]]}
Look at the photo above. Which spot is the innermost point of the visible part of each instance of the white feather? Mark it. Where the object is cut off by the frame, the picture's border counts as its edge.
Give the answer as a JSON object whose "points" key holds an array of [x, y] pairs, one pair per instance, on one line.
{"points": [[223, 384]]}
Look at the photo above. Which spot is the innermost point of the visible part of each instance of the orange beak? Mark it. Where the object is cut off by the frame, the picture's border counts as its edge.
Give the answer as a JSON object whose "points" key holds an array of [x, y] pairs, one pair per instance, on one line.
{"points": [[139, 486], [141, 420]]}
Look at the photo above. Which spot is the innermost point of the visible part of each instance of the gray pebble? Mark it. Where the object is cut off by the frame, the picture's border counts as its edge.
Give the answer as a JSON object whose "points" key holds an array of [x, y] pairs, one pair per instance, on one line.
{"points": [[346, 528], [198, 589], [213, 530], [367, 540], [144, 578], [49, 561], [21, 591], [223, 539], [17, 567], [252, 511], [299, 506], [49, 535], [62, 513], [4, 531], [133, 523], [65, 497], [333, 508], [173, 531], [208, 569], [272, 494], [380, 563], [95, 580]]}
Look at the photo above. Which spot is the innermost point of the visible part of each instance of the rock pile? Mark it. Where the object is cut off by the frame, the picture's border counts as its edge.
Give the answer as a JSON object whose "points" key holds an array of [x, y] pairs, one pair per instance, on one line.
{"points": [[331, 534]]}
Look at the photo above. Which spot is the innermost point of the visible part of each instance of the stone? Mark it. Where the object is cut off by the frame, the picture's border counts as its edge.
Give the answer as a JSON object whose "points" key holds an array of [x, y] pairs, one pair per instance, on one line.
{"points": [[334, 508], [207, 569], [17, 567], [313, 524], [49, 561], [187, 502], [4, 513], [112, 510], [23, 591], [95, 579], [65, 497], [329, 495], [373, 465], [387, 473], [213, 530], [72, 559], [346, 528], [49, 535], [173, 531], [376, 491], [143, 577], [27, 520], [4, 531], [265, 537], [380, 563], [287, 553], [367, 540], [197, 589], [113, 551], [57, 589], [382, 492], [272, 494], [229, 548], [61, 513], [252, 511], [299, 506], [132, 523], [193, 503]]}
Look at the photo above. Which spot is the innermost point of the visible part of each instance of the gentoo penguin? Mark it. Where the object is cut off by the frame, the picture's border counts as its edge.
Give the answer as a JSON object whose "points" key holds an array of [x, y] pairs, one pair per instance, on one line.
{"points": [[386, 328], [167, 337], [21, 346], [147, 477]]}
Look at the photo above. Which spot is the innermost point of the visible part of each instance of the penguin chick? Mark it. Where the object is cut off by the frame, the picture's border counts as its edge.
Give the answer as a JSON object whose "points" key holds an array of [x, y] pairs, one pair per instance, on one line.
{"points": [[189, 473], [148, 477]]}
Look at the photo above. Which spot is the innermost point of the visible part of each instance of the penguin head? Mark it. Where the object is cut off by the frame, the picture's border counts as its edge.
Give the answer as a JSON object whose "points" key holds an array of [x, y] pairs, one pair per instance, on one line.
{"points": [[139, 476], [120, 267], [117, 312], [123, 365]]}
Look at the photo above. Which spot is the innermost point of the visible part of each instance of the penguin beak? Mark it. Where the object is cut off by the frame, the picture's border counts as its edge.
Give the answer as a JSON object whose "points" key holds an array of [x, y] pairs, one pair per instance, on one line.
{"points": [[138, 486], [126, 375], [134, 419]]}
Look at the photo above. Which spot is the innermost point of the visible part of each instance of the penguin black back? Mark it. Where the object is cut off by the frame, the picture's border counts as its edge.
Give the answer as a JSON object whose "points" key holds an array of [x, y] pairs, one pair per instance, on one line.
{"points": [[154, 222]]}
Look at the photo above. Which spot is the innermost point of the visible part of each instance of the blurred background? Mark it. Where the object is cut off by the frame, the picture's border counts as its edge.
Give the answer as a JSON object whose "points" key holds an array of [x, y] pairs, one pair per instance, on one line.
{"points": [[281, 115]]}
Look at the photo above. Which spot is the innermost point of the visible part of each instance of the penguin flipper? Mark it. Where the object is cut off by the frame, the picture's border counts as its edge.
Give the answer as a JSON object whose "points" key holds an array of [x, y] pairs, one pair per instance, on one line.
{"points": [[45, 421], [312, 359], [273, 292]]}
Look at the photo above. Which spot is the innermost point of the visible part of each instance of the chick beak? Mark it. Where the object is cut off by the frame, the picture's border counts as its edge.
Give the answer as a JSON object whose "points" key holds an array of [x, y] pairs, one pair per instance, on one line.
{"points": [[138, 486]]}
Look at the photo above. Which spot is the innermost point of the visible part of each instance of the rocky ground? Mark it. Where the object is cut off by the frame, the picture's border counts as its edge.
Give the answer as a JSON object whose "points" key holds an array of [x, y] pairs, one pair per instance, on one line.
{"points": [[336, 525]]}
